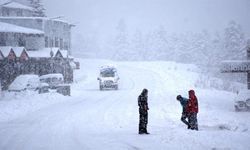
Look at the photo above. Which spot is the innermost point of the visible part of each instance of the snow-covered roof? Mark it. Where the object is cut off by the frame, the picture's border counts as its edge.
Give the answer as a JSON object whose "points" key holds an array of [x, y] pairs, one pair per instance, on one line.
{"points": [[235, 66], [108, 68], [43, 53], [4, 2], [16, 5], [235, 61], [42, 18], [53, 75], [10, 28], [46, 52], [18, 50], [6, 50], [64, 53]]}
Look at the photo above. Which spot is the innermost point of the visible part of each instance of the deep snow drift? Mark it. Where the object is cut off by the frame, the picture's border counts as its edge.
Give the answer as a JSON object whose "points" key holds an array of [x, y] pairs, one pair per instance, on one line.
{"points": [[93, 119]]}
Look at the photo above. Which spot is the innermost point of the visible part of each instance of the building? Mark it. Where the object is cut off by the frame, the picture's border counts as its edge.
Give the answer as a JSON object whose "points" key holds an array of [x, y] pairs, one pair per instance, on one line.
{"points": [[17, 61], [15, 9], [33, 45], [53, 32]]}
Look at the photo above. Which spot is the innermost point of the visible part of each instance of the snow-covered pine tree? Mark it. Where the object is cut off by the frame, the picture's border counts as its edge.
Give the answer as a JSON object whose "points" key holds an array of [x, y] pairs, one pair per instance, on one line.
{"points": [[184, 47], [138, 46], [174, 46], [39, 10], [203, 54], [160, 44], [234, 49], [234, 41], [121, 42]]}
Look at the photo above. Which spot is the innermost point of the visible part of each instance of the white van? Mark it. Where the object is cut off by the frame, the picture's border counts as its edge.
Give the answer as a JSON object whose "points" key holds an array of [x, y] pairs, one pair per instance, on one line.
{"points": [[108, 77]]}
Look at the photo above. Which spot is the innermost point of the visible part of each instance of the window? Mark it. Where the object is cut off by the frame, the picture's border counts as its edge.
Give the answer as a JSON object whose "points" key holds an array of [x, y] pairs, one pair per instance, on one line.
{"points": [[61, 43], [21, 42], [19, 13], [51, 43], [6, 12], [3, 38], [66, 46], [2, 12], [56, 42], [46, 41]]}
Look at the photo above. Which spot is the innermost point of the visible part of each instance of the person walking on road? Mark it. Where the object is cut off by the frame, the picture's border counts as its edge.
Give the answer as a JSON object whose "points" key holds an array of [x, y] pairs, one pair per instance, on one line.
{"points": [[192, 110], [143, 111], [184, 116]]}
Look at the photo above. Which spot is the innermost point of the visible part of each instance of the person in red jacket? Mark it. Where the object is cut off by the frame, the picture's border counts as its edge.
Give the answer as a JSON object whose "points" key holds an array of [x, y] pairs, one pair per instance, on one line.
{"points": [[192, 110]]}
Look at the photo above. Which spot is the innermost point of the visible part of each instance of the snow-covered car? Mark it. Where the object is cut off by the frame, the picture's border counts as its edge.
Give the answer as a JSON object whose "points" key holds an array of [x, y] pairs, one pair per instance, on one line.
{"points": [[108, 78], [53, 80], [242, 101], [25, 82]]}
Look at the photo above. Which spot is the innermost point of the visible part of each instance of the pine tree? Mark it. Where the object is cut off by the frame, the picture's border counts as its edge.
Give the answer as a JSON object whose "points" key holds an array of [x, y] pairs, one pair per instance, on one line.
{"points": [[161, 43], [234, 41], [138, 46], [39, 10], [121, 42]]}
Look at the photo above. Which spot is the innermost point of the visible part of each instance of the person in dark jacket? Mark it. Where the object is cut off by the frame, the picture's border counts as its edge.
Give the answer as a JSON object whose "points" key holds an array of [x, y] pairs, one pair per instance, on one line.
{"points": [[143, 111], [192, 110], [184, 116]]}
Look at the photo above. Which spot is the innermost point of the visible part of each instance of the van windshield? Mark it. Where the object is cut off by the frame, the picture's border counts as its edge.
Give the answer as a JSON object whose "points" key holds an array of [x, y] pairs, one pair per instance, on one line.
{"points": [[108, 73]]}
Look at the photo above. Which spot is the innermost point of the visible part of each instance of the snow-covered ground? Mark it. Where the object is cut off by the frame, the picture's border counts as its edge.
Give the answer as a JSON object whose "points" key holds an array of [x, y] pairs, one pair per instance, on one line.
{"points": [[93, 119]]}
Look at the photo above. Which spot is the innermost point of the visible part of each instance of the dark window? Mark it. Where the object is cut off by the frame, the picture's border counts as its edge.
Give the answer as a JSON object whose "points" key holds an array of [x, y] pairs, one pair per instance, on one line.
{"points": [[2, 12], [51, 43], [3, 38], [56, 42], [46, 41], [6, 12], [66, 47], [19, 13], [61, 43], [21, 42]]}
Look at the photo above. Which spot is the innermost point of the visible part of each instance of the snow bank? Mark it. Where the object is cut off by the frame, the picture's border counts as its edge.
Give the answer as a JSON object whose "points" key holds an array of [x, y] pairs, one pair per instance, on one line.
{"points": [[6, 27], [14, 105]]}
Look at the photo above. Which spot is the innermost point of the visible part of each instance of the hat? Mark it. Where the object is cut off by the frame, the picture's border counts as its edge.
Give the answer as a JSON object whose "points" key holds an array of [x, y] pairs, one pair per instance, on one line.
{"points": [[178, 97]]}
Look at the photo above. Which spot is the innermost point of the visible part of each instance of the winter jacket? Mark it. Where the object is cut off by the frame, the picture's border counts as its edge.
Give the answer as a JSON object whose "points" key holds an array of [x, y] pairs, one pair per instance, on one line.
{"points": [[184, 102], [192, 106], [143, 102]]}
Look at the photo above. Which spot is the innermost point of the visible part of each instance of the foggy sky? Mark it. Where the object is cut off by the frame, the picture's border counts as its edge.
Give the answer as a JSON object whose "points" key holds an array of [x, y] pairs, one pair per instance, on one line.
{"points": [[102, 16]]}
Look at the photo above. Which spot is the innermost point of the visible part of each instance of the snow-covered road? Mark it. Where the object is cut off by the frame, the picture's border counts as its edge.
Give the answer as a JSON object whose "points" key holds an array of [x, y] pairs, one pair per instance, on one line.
{"points": [[93, 119]]}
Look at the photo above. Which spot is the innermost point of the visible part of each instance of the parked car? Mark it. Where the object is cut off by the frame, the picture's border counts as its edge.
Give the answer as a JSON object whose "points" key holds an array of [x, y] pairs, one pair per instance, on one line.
{"points": [[108, 78], [53, 80], [25, 82], [242, 101]]}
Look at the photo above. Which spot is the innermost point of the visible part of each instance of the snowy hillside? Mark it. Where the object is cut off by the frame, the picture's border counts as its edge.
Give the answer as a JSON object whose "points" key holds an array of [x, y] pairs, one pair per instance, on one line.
{"points": [[93, 119]]}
